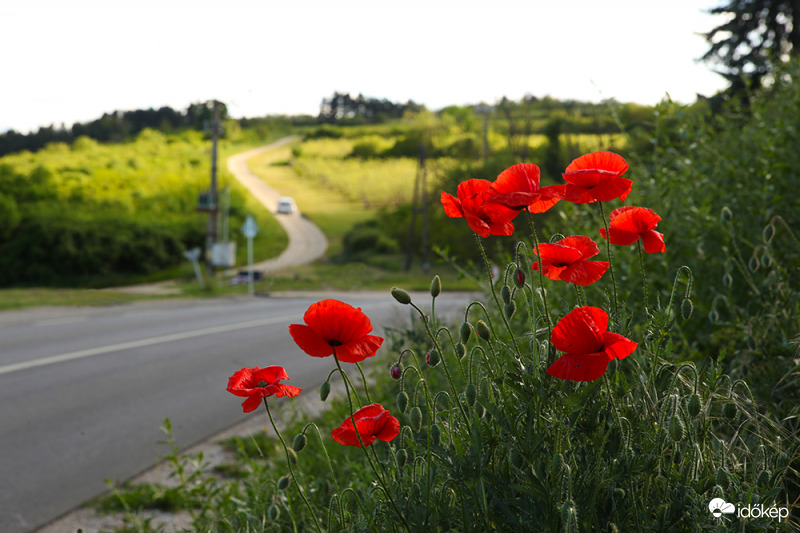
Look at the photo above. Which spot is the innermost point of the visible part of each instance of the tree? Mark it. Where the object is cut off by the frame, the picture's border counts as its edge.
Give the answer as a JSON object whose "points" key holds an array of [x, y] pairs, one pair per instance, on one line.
{"points": [[758, 35]]}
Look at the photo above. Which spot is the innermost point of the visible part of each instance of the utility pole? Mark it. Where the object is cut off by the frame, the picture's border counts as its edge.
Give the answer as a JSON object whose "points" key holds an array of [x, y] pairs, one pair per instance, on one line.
{"points": [[211, 237]]}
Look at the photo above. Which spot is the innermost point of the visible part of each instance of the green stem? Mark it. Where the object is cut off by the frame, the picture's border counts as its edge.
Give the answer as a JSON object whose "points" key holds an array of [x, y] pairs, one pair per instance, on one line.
{"points": [[291, 470], [364, 381], [541, 276], [644, 275], [333, 475], [608, 252], [361, 442]]}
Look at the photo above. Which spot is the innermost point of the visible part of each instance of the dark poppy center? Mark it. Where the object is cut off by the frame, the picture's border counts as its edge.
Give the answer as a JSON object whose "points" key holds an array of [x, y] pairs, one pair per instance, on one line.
{"points": [[262, 384], [334, 344]]}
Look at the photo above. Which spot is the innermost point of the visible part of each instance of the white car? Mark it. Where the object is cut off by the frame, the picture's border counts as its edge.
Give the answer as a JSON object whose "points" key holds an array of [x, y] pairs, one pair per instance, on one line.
{"points": [[286, 206]]}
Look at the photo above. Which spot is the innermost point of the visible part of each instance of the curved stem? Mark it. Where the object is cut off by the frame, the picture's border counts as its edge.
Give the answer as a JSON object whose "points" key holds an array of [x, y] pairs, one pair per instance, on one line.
{"points": [[364, 381], [541, 276], [291, 470], [608, 252]]}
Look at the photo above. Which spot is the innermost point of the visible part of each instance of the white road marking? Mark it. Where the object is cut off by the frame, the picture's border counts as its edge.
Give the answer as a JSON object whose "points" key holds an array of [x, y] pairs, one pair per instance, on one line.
{"points": [[71, 356]]}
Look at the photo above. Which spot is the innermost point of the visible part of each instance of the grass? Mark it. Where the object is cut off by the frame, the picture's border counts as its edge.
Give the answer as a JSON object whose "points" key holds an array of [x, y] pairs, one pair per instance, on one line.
{"points": [[38, 296]]}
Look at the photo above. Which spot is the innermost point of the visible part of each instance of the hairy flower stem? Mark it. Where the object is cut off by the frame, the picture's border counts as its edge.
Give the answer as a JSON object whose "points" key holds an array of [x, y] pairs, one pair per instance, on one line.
{"points": [[291, 470], [644, 275], [541, 277], [608, 252], [494, 293], [339, 509], [364, 381], [381, 481]]}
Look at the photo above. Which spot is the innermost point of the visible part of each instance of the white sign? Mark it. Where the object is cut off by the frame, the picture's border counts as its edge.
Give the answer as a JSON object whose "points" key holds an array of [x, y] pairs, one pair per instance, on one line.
{"points": [[250, 228]]}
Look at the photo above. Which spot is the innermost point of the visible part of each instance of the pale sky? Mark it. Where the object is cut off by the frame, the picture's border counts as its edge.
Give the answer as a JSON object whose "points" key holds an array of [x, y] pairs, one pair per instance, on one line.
{"points": [[66, 62]]}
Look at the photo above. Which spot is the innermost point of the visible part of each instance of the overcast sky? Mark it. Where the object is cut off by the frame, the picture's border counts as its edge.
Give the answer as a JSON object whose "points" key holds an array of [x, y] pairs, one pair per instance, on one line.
{"points": [[66, 62]]}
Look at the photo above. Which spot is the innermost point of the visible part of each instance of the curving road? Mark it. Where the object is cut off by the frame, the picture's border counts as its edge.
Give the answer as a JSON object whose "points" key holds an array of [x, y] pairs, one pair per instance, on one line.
{"points": [[306, 241]]}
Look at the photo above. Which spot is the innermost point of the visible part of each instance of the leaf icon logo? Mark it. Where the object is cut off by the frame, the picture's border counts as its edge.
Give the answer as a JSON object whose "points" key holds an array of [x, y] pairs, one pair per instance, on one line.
{"points": [[718, 507]]}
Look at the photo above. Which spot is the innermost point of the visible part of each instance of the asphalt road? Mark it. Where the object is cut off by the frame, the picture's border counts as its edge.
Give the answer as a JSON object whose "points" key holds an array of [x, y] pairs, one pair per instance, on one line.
{"points": [[83, 391]]}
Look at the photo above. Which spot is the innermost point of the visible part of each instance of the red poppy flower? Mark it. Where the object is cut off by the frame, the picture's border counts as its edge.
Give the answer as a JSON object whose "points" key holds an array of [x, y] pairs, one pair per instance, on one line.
{"points": [[629, 224], [566, 260], [517, 188], [587, 344], [334, 325], [596, 177], [256, 383], [483, 218], [373, 422]]}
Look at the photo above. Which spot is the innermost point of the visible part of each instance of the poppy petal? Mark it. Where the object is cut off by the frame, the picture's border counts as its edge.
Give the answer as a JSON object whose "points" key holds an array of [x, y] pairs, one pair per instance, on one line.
{"points": [[337, 321], [287, 391], [585, 245], [309, 341], [547, 198], [356, 351], [653, 242], [557, 253], [578, 195], [581, 331], [477, 224], [270, 374], [584, 273], [251, 404], [634, 219], [391, 429], [617, 346], [612, 188], [579, 367], [603, 160], [620, 237], [452, 206]]}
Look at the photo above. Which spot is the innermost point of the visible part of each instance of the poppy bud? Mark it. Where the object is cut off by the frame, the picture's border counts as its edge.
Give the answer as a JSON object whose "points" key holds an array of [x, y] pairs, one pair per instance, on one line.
{"points": [[483, 330], [505, 292], [768, 233], [273, 512], [416, 418], [569, 516], [713, 316], [292, 455], [465, 332], [687, 307], [461, 350], [753, 264], [558, 462], [396, 372], [766, 260], [729, 410], [436, 286], [519, 278], [436, 434], [727, 280], [402, 457], [283, 483], [693, 406], [401, 296], [432, 358], [675, 428], [510, 308], [300, 442], [470, 394], [725, 215], [402, 401], [479, 410], [324, 390]]}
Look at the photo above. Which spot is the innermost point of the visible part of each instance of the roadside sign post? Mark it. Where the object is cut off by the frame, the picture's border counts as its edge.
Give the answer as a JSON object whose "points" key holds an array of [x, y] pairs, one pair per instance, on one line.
{"points": [[250, 229], [193, 255]]}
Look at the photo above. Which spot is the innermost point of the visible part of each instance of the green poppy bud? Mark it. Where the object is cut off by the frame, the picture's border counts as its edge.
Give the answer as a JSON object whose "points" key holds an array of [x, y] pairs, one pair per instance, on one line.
{"points": [[283, 483], [693, 406], [753, 263], [569, 516], [479, 410], [461, 350], [558, 463], [470, 394], [729, 410], [727, 279], [402, 457], [483, 330], [519, 278], [436, 286], [725, 215], [292, 455], [300, 442], [402, 401], [436, 434], [416, 418], [432, 358], [768, 233], [510, 308], [273, 512], [465, 332], [505, 292], [687, 308], [324, 390], [675, 428], [401, 296]]}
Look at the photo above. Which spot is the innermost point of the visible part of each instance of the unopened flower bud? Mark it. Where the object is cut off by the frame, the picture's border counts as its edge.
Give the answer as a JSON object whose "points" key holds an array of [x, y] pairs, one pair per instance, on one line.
{"points": [[483, 330], [436, 434], [283, 483], [729, 410], [687, 307], [402, 401], [505, 292], [396, 372], [402, 457], [292, 455], [725, 215], [401, 296], [479, 410], [432, 358], [768, 233], [675, 428], [300, 442], [436, 286], [470, 394], [510, 308], [519, 278], [465, 332], [461, 350], [273, 512], [324, 390], [416, 418], [693, 405]]}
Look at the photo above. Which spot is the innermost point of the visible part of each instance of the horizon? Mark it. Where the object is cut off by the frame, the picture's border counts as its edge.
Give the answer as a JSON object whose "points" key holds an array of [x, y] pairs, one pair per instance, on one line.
{"points": [[74, 63]]}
